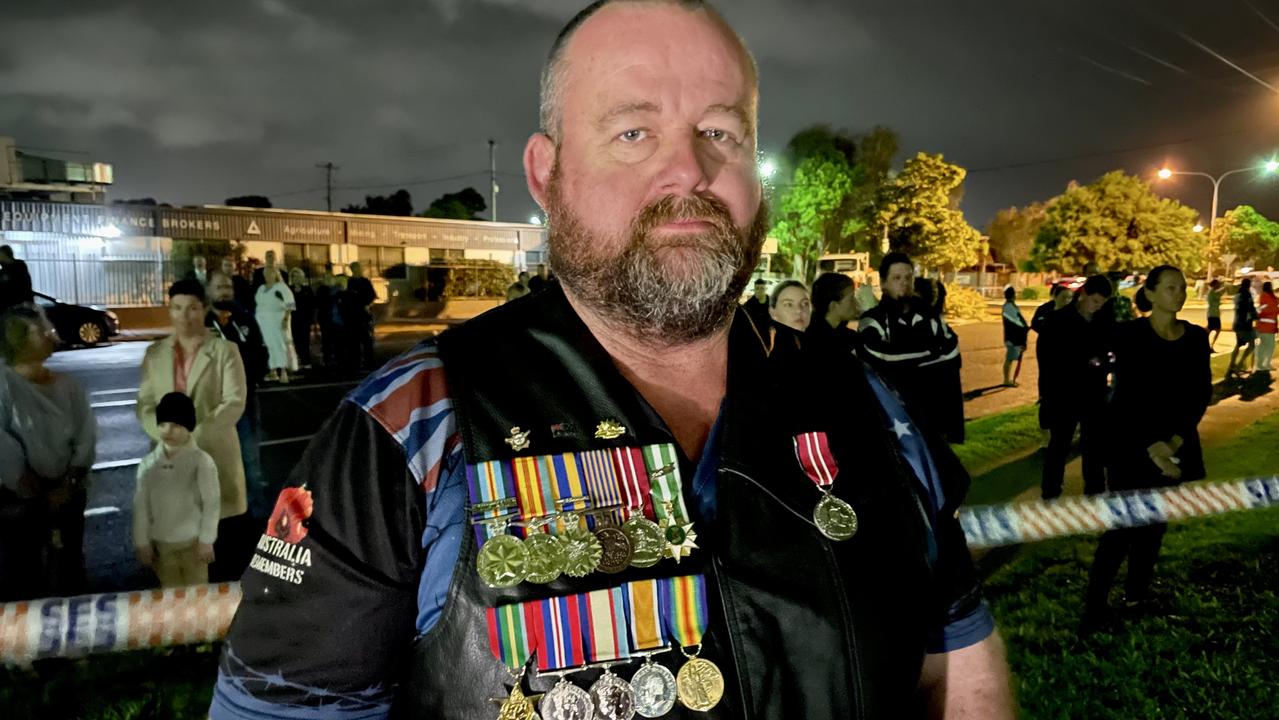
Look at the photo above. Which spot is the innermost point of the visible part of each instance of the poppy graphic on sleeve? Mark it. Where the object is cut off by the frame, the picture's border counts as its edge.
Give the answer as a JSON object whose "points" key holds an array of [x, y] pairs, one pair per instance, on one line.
{"points": [[291, 509]]}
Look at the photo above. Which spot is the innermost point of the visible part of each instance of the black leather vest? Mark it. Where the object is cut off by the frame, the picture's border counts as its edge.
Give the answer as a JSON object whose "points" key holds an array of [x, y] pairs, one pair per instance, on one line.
{"points": [[802, 627]]}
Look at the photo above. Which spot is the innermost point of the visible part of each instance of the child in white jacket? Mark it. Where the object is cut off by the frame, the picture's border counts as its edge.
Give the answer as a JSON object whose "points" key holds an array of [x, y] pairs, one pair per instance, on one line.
{"points": [[178, 500]]}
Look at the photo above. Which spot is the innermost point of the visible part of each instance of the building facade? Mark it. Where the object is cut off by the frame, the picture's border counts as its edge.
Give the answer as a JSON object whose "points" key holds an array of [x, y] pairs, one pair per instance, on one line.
{"points": [[127, 255]]}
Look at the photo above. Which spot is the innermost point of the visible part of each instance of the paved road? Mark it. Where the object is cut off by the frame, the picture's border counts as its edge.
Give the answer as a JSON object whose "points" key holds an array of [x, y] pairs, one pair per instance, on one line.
{"points": [[290, 415]]}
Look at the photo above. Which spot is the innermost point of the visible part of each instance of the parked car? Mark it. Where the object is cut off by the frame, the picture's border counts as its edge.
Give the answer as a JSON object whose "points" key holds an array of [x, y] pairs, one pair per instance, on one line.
{"points": [[79, 324]]}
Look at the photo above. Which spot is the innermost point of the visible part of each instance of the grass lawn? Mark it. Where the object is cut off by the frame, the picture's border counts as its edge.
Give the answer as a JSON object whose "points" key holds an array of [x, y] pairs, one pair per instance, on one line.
{"points": [[1211, 649]]}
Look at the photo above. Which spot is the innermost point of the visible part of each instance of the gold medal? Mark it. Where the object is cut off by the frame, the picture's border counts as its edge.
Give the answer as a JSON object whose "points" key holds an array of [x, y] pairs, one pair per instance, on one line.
{"points": [[647, 541], [835, 518], [517, 706], [502, 562], [582, 552], [699, 684], [546, 557]]}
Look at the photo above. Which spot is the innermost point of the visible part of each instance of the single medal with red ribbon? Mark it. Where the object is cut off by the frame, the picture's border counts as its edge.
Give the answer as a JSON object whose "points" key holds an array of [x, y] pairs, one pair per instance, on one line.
{"points": [[559, 641], [835, 518], [512, 641]]}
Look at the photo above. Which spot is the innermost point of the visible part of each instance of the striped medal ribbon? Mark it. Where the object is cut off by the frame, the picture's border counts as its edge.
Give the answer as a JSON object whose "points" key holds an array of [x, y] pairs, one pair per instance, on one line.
{"points": [[834, 517], [511, 636], [700, 684], [558, 631], [667, 491], [492, 494]]}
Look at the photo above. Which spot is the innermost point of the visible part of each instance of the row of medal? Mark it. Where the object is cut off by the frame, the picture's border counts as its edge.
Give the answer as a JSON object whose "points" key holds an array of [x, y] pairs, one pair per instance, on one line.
{"points": [[603, 629], [578, 513]]}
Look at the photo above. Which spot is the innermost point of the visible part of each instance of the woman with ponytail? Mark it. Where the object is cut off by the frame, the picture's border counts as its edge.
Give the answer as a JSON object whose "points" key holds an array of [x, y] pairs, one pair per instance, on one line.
{"points": [[1163, 384]]}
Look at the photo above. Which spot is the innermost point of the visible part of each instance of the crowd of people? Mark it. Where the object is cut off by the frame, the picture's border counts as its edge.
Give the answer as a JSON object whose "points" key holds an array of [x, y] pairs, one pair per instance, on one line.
{"points": [[201, 491]]}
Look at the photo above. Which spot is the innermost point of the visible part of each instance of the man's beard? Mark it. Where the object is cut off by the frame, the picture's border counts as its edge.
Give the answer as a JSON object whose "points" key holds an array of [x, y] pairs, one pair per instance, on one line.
{"points": [[634, 290]]}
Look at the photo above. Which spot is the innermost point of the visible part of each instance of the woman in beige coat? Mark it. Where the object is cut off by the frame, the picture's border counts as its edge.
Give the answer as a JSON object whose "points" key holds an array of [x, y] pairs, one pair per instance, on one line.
{"points": [[208, 369]]}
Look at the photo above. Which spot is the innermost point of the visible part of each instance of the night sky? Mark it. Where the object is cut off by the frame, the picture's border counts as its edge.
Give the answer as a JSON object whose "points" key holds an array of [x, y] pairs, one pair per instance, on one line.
{"points": [[195, 102]]}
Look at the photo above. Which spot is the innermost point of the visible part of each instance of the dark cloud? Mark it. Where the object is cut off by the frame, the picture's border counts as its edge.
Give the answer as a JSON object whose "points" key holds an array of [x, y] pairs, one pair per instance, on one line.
{"points": [[194, 102]]}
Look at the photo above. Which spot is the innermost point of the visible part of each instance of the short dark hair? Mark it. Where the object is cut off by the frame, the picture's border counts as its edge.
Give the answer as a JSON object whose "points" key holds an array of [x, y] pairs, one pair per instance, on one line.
{"points": [[15, 328], [1266, 287], [1058, 287], [1098, 285], [7, 250], [891, 259], [1245, 285], [1010, 294], [188, 287], [761, 281], [828, 289], [783, 287]]}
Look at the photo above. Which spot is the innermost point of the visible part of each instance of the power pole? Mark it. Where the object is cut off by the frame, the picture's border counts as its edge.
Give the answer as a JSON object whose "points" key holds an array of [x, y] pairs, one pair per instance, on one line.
{"points": [[493, 180], [328, 168]]}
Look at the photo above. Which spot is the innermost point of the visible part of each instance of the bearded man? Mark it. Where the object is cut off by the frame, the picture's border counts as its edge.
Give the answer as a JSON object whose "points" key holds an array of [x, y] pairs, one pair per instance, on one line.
{"points": [[616, 497]]}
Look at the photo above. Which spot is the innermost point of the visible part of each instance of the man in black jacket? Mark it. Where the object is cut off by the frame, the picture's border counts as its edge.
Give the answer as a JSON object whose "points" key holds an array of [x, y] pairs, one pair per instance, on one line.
{"points": [[15, 280], [911, 345], [1075, 360], [374, 594]]}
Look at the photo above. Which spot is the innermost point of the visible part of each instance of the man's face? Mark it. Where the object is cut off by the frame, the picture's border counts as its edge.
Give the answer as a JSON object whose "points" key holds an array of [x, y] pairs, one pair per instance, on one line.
{"points": [[270, 257], [228, 267], [356, 270], [186, 312], [1091, 303], [761, 292], [651, 183], [1062, 298], [200, 263], [900, 282], [220, 288], [174, 434]]}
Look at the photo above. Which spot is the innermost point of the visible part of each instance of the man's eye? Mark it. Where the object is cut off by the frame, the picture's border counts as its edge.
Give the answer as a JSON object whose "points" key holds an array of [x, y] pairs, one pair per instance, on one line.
{"points": [[717, 135], [631, 136]]}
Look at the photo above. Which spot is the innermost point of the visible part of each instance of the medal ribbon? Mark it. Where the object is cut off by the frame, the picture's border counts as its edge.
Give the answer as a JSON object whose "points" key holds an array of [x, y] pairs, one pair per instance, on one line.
{"points": [[559, 632], [684, 608], [662, 463], [510, 636], [533, 487], [487, 483], [633, 476], [567, 488], [604, 623], [813, 451], [602, 485], [643, 612]]}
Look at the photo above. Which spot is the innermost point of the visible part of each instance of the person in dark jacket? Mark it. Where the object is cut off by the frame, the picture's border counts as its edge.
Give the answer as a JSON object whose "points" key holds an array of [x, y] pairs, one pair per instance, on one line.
{"points": [[1059, 296], [303, 317], [241, 288], [912, 347], [1163, 384], [15, 280], [358, 316], [637, 365], [1016, 336], [756, 306], [1245, 333], [1074, 362], [834, 306]]}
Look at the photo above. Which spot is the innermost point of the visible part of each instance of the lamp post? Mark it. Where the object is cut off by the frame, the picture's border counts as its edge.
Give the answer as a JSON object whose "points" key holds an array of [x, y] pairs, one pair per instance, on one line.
{"points": [[1164, 173]]}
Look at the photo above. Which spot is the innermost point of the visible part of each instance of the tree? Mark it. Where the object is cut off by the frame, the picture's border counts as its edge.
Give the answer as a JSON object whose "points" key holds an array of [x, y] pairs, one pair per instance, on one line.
{"points": [[1012, 233], [399, 203], [830, 183], [807, 214], [252, 201], [463, 205], [921, 212], [1118, 223], [1249, 236]]}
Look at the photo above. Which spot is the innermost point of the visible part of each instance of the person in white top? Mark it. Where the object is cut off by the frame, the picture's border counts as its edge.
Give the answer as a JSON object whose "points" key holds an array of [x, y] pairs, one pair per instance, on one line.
{"points": [[1016, 333], [274, 302], [178, 501]]}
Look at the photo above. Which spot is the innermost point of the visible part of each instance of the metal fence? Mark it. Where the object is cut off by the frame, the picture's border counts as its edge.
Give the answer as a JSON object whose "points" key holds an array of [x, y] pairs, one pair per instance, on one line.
{"points": [[121, 281]]}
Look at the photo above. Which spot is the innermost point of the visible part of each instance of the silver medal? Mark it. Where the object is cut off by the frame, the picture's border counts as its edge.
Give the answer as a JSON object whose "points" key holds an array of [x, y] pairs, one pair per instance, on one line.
{"points": [[613, 698], [567, 701], [654, 687]]}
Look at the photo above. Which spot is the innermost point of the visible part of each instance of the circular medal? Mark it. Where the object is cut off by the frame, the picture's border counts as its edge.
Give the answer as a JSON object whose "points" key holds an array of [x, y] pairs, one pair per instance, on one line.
{"points": [[835, 518], [582, 552], [615, 555], [699, 685], [654, 687], [613, 698], [502, 562], [545, 557], [646, 541], [567, 701]]}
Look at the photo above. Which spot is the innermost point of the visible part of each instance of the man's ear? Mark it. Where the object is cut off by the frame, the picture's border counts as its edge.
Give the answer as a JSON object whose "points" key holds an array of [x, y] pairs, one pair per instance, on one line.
{"points": [[539, 163]]}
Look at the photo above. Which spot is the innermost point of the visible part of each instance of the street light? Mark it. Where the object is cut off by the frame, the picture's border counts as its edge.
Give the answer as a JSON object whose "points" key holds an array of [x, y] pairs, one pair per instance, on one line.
{"points": [[1270, 167]]}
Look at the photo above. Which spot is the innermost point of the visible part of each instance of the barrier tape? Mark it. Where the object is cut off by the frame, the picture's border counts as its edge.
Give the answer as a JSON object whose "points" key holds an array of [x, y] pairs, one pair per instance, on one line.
{"points": [[1012, 523], [115, 622]]}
